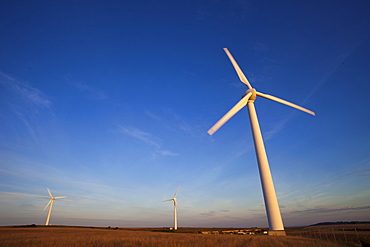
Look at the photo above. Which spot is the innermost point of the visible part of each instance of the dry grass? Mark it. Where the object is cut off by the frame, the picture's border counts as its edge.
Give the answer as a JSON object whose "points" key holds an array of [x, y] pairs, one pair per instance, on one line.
{"points": [[347, 234], [58, 237]]}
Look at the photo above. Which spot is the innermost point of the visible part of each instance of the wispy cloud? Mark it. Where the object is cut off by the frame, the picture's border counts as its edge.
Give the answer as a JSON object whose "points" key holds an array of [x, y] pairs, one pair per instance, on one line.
{"points": [[13, 197], [176, 123], [335, 63], [190, 128], [323, 209], [91, 91], [167, 153], [277, 128], [213, 213], [24, 91], [209, 213], [140, 135], [153, 116], [5, 196], [24, 103], [6, 172], [147, 138], [362, 173]]}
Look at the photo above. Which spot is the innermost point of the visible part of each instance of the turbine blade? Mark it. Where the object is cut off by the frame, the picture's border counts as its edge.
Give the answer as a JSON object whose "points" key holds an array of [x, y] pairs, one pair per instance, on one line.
{"points": [[238, 70], [177, 205], [176, 191], [60, 197], [229, 114], [285, 102], [47, 205], [168, 200], [50, 193]]}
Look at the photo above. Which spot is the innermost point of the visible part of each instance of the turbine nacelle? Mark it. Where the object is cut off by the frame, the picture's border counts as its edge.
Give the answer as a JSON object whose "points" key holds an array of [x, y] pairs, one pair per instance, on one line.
{"points": [[252, 97]]}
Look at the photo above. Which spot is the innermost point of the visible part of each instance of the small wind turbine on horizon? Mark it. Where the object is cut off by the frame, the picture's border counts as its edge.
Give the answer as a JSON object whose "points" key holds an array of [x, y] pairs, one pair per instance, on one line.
{"points": [[51, 202], [271, 203], [174, 199]]}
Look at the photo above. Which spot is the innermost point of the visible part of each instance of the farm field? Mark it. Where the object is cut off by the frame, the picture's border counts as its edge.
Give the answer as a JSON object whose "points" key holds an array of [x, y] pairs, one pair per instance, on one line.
{"points": [[84, 236], [347, 234]]}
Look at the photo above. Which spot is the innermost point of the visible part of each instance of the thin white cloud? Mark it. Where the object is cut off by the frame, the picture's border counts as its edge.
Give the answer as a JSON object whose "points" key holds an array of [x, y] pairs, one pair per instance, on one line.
{"points": [[34, 95], [362, 173], [6, 172], [75, 195], [153, 116], [335, 63], [277, 128], [28, 123], [6, 196], [213, 213], [176, 123], [181, 124], [192, 128], [167, 153], [23, 91], [333, 209], [92, 92], [208, 214], [25, 104], [140, 135], [147, 138]]}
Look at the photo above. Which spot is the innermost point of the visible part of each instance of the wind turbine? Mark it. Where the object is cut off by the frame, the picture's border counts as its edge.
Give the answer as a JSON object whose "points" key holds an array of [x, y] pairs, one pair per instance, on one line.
{"points": [[174, 199], [271, 204], [51, 202]]}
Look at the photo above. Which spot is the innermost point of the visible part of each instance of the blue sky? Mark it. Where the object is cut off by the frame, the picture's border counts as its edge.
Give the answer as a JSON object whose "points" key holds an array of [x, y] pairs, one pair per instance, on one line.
{"points": [[108, 103]]}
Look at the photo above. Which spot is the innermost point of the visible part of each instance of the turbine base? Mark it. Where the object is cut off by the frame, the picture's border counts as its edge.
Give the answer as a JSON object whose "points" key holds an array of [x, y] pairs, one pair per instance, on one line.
{"points": [[277, 233]]}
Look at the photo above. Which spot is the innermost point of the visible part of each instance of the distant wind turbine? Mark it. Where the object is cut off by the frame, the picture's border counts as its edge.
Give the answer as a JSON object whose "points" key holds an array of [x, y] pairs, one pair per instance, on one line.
{"points": [[51, 202], [174, 199], [271, 204]]}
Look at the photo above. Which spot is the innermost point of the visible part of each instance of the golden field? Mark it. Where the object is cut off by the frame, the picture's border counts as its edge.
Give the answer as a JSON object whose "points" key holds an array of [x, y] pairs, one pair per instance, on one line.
{"points": [[357, 234], [78, 236]]}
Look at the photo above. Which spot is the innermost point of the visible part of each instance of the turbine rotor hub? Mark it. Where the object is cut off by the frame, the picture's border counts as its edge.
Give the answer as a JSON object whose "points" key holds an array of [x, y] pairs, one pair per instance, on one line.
{"points": [[252, 98]]}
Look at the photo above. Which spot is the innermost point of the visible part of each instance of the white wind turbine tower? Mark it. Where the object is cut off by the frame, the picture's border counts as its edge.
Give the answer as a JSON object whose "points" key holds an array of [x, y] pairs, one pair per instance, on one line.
{"points": [[271, 204], [174, 199], [51, 202]]}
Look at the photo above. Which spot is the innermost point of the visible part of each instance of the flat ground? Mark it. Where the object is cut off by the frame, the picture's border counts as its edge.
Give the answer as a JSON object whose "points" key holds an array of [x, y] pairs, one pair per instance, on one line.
{"points": [[320, 236]]}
